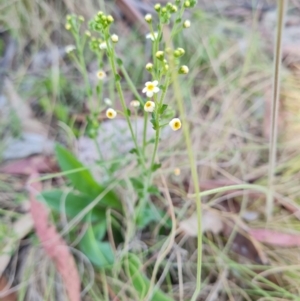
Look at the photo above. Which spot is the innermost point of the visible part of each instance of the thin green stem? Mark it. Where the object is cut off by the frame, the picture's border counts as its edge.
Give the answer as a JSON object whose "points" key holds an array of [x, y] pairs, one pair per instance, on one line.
{"points": [[145, 133], [186, 132], [122, 99]]}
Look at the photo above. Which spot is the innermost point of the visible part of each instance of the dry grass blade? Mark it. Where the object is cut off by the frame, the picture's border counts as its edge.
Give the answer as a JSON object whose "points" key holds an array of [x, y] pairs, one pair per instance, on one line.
{"points": [[275, 107]]}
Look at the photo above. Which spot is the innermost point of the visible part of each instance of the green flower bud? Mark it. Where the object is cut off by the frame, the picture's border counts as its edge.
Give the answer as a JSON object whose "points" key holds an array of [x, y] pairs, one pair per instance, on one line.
{"points": [[183, 70], [159, 55], [157, 7]]}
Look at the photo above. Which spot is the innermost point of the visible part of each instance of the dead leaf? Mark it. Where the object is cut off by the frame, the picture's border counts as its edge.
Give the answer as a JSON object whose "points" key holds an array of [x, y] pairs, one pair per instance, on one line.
{"points": [[210, 222], [4, 286], [275, 238], [27, 166], [53, 244]]}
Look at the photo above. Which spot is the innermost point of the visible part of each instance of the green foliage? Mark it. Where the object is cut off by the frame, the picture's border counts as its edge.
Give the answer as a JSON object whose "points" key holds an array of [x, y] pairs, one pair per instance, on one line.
{"points": [[83, 180], [140, 282], [99, 253], [72, 203]]}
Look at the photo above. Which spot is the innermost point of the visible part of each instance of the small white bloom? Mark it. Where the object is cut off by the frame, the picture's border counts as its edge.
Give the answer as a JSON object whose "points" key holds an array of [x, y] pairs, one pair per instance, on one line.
{"points": [[151, 88], [69, 48], [114, 38], [103, 45], [148, 18], [111, 113], [152, 36], [149, 106], [187, 24], [88, 33], [175, 124], [135, 103], [101, 74], [108, 101]]}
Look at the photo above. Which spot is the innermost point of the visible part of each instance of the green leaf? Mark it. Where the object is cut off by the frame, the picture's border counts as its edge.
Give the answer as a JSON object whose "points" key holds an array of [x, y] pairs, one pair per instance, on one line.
{"points": [[73, 204], [137, 183], [119, 62], [140, 282], [99, 253], [133, 151], [163, 108], [155, 167], [117, 77], [83, 179], [153, 190]]}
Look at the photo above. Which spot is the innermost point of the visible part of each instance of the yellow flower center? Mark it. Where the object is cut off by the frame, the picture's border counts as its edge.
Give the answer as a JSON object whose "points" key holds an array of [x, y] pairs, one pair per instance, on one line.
{"points": [[176, 125], [150, 87], [110, 114], [148, 104]]}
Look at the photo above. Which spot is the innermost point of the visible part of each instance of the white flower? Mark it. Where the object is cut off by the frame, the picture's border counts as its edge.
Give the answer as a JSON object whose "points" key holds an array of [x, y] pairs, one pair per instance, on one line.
{"points": [[88, 33], [114, 38], [107, 101], [187, 24], [69, 48], [151, 88], [149, 106], [101, 74], [103, 45], [135, 103], [152, 36], [175, 124], [111, 113], [148, 18]]}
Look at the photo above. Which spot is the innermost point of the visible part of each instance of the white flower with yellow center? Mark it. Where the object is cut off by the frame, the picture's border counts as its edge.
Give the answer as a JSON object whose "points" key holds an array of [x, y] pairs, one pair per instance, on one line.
{"points": [[175, 124], [114, 38], [149, 106], [135, 103], [111, 113], [151, 88], [152, 36], [101, 74], [103, 45], [69, 48]]}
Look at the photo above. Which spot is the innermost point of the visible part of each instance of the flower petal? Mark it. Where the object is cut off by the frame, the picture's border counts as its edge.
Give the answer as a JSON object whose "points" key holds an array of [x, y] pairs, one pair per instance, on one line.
{"points": [[156, 90], [155, 83], [149, 94], [144, 90], [148, 83]]}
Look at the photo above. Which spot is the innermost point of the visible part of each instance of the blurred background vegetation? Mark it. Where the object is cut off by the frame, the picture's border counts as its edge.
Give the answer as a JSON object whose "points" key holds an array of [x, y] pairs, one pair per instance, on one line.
{"points": [[228, 99]]}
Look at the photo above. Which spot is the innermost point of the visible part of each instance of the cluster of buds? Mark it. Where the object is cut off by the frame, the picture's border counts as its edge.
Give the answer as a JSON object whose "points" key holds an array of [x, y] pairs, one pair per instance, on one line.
{"points": [[101, 21], [94, 44], [166, 11], [189, 3], [73, 22]]}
